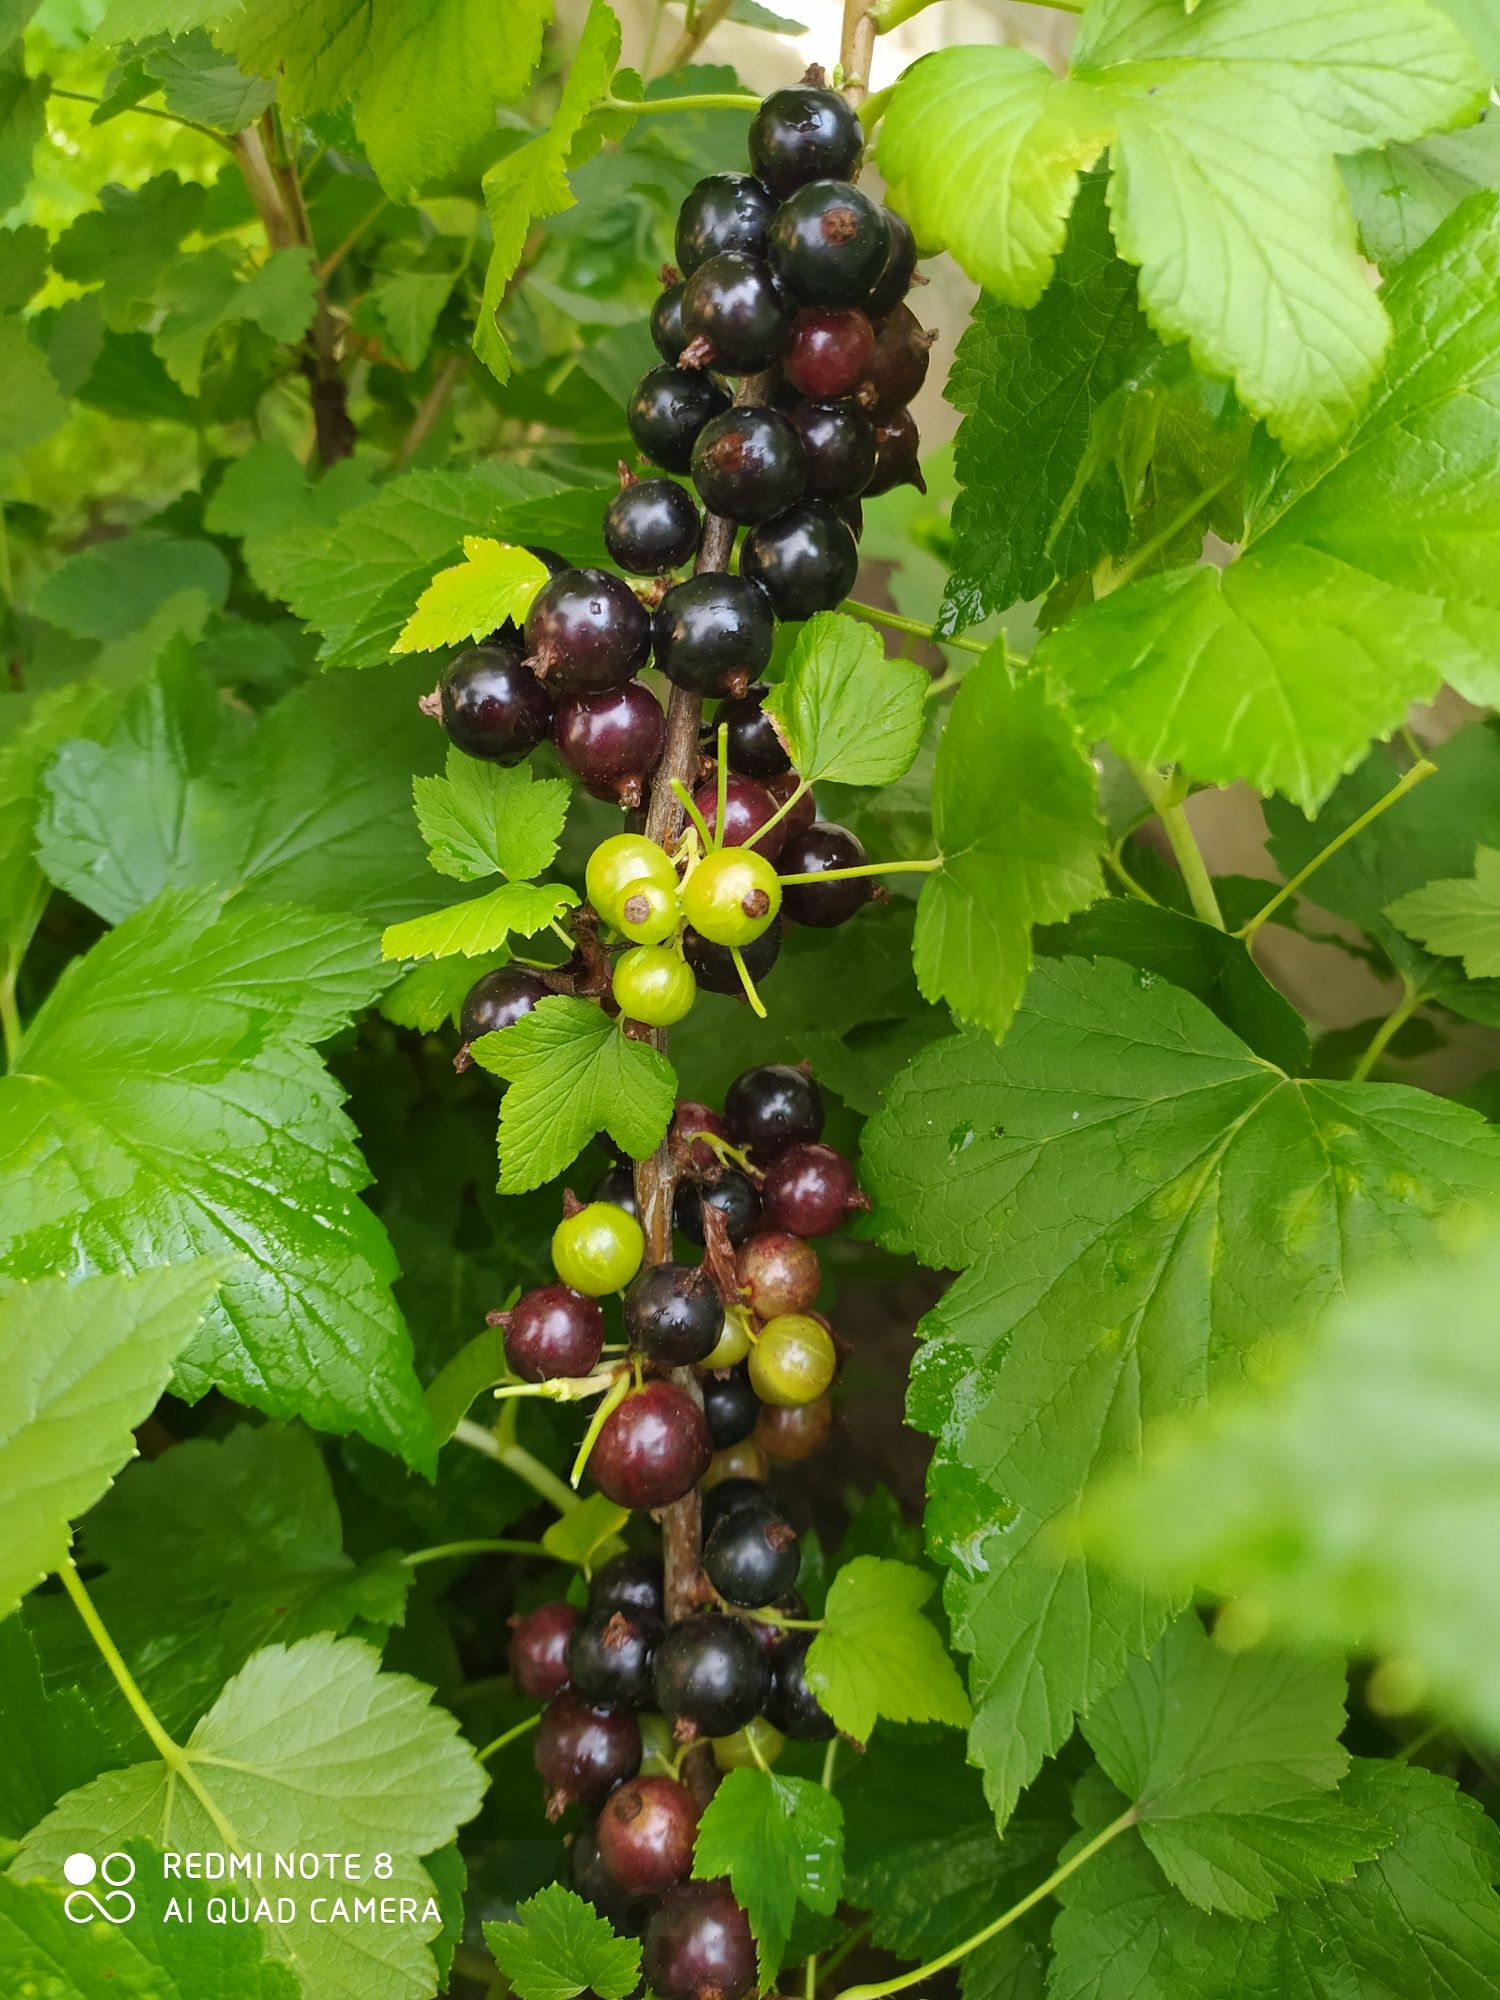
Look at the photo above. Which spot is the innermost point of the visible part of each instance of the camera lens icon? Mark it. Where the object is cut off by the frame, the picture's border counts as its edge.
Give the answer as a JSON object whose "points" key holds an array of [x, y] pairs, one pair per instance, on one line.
{"points": [[82, 1906]]}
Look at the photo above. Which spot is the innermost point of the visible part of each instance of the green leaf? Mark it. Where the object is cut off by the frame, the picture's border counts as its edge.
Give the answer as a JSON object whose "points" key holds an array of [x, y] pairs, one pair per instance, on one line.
{"points": [[137, 20], [492, 583], [202, 84], [432, 994], [54, 717], [166, 1102], [130, 239], [310, 1747], [588, 1533], [848, 715], [1015, 815], [1361, 584], [482, 819], [1401, 193], [1345, 1495], [205, 292], [49, 1743], [84, 1365], [410, 303], [780, 1841], [558, 1948], [1460, 919], [877, 1655], [1139, 1200], [23, 120], [30, 407], [23, 265], [117, 586], [481, 925], [572, 1073]]}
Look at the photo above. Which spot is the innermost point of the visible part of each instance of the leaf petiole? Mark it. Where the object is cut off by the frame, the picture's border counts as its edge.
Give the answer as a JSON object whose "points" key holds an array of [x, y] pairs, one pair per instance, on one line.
{"points": [[912, 625], [444, 1550], [870, 868], [780, 813], [509, 1736]]}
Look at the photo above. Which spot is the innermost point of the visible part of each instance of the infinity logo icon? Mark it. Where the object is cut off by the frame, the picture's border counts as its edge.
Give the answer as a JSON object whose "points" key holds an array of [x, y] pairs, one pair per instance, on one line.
{"points": [[82, 1905]]}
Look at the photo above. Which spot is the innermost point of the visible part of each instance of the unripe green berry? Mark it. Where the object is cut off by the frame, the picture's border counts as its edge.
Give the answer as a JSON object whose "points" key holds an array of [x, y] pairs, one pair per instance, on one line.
{"points": [[648, 912], [793, 1361], [598, 1249], [653, 983], [732, 896], [621, 862]]}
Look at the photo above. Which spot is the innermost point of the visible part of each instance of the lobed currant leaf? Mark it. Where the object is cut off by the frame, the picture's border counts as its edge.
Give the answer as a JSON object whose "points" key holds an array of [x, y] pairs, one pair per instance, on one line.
{"points": [[780, 1841], [481, 926], [849, 715], [1460, 918], [493, 583], [557, 1947], [483, 819], [30, 407], [876, 1655]]}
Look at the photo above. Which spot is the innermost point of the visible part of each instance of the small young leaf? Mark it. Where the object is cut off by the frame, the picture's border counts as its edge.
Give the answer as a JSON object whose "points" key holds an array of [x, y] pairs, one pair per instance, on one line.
{"points": [[849, 715], [877, 1655], [482, 925], [572, 1073], [205, 292], [1460, 919], [485, 819], [780, 1841], [558, 1947], [588, 1533], [492, 583]]}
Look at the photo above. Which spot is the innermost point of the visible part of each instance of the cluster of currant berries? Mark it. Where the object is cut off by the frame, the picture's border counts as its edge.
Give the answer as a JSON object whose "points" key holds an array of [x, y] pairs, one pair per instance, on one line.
{"points": [[627, 1691]]}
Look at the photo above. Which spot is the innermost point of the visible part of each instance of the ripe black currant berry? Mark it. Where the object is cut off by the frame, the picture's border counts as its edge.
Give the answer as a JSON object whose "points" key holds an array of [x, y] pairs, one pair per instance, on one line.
{"points": [[597, 1886], [723, 212], [830, 352], [733, 1195], [808, 1190], [896, 444], [714, 633], [749, 464], [778, 1273], [667, 409], [823, 847], [583, 1752], [805, 560], [698, 1945], [898, 364], [838, 440], [652, 526], [612, 739], [829, 243], [730, 1405], [736, 316], [553, 1331], [773, 1106], [803, 134], [539, 1650], [710, 1676], [796, 1430], [652, 1448], [610, 1655], [690, 1119], [617, 1186], [667, 330], [673, 1314], [894, 281], [793, 1707], [753, 745], [646, 1833], [751, 1559], [587, 630], [748, 807], [727, 1497], [802, 813], [498, 1000], [627, 1582], [713, 964], [491, 704]]}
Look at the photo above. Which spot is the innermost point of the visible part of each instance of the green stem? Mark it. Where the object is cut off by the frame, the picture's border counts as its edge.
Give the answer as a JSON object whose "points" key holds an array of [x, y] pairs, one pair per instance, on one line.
{"points": [[516, 1459], [766, 1616], [1166, 803], [888, 14], [1134, 563], [873, 109], [509, 1736], [444, 1550], [1126, 880], [850, 1942], [721, 788], [148, 111], [1055, 1880], [684, 798], [757, 1005], [1411, 999], [10, 1015], [722, 100], [869, 868], [1418, 773], [780, 813], [912, 625], [607, 1407]]}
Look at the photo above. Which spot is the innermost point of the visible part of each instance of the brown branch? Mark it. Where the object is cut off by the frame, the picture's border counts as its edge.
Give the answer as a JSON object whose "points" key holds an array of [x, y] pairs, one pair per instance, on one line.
{"points": [[701, 26], [857, 50]]}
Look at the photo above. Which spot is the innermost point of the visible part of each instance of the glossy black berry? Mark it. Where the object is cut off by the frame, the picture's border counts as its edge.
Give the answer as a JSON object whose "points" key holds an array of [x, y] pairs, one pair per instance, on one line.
{"points": [[899, 360], [838, 441], [751, 1558], [737, 317], [587, 630], [673, 1314], [652, 1448], [805, 560], [667, 409], [667, 330], [713, 964], [748, 809], [749, 464], [720, 1501], [808, 1190], [627, 1582], [830, 351], [895, 279], [652, 526], [733, 1195], [730, 1405], [710, 1676], [618, 1186], [612, 740], [792, 1706], [829, 243], [896, 445], [610, 1653], [582, 1751], [646, 1834], [539, 1650], [822, 848], [752, 743], [491, 704], [801, 809], [714, 633], [498, 1000], [594, 1882], [723, 212], [698, 1945], [773, 1106], [553, 1332], [803, 133]]}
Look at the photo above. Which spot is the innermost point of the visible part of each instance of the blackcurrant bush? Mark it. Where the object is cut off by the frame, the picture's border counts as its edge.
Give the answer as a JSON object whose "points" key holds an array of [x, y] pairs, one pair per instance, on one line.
{"points": [[713, 964], [896, 443], [898, 364], [627, 1582], [737, 317], [732, 896], [773, 1106], [830, 351], [618, 1186], [723, 212], [710, 1676], [539, 1650], [793, 1361], [809, 1190], [838, 441], [727, 1497], [612, 740], [794, 1430], [714, 633], [732, 1194], [778, 1273], [801, 809], [598, 1249], [491, 704], [652, 526], [652, 1448], [667, 330], [895, 279], [653, 984], [752, 743], [793, 1707], [749, 464], [587, 629], [618, 865], [822, 848], [803, 133], [597, 1886], [828, 244], [751, 1559], [610, 1654], [667, 409], [674, 1315], [583, 1752], [553, 1331], [730, 1406], [690, 1120], [498, 1000], [748, 808], [645, 1834], [805, 560]]}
